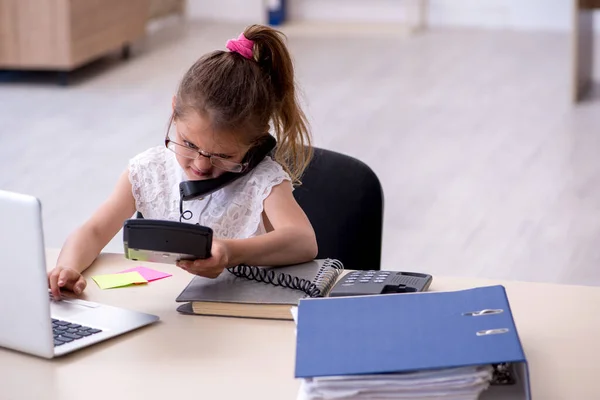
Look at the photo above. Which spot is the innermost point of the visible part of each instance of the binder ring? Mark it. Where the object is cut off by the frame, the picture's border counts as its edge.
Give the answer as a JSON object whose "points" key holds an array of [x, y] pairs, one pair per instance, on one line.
{"points": [[483, 312], [496, 331]]}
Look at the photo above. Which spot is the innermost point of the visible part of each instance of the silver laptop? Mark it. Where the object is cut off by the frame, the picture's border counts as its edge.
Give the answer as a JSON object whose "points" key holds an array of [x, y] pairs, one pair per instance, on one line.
{"points": [[30, 321]]}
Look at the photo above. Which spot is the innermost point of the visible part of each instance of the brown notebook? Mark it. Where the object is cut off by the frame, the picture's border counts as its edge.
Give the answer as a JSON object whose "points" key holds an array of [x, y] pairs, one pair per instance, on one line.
{"points": [[259, 292]]}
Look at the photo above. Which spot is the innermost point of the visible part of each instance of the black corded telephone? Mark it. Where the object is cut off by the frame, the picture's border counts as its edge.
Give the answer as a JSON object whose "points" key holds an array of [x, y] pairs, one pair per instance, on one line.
{"points": [[170, 241]]}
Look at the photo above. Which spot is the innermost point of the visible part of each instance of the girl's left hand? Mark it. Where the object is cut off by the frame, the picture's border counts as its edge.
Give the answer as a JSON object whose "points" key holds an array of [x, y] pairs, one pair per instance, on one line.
{"points": [[210, 267]]}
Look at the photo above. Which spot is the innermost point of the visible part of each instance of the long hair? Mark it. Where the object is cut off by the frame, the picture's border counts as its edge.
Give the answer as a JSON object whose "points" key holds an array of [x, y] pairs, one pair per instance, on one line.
{"points": [[249, 97]]}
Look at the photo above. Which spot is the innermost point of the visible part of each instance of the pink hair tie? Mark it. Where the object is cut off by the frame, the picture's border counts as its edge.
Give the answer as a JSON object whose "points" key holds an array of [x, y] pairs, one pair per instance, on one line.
{"points": [[242, 46]]}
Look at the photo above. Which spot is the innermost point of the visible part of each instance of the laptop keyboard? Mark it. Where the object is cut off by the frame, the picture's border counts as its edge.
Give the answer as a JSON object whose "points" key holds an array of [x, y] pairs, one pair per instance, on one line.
{"points": [[66, 332]]}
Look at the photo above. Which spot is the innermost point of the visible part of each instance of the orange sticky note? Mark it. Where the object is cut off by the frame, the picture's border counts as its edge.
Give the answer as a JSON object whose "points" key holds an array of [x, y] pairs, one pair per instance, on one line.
{"points": [[110, 281]]}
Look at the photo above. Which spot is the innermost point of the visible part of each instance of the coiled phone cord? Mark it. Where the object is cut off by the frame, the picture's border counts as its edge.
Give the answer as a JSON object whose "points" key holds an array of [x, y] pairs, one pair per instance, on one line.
{"points": [[267, 275], [319, 287]]}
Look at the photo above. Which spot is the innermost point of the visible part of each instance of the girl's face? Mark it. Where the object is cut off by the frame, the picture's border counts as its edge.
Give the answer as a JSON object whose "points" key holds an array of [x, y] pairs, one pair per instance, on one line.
{"points": [[219, 150]]}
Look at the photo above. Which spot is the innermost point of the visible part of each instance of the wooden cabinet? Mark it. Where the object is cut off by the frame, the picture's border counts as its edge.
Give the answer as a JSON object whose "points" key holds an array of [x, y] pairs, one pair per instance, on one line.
{"points": [[65, 34], [162, 8]]}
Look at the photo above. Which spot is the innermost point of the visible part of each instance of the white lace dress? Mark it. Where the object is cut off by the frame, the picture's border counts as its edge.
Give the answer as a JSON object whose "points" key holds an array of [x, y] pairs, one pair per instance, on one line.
{"points": [[233, 212]]}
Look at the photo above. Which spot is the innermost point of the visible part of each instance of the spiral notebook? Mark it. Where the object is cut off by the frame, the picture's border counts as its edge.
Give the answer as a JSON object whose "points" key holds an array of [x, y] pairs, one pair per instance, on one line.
{"points": [[259, 292]]}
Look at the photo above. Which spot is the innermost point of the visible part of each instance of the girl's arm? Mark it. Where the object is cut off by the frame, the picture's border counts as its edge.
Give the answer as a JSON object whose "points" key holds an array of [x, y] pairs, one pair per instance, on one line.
{"points": [[85, 244], [291, 241]]}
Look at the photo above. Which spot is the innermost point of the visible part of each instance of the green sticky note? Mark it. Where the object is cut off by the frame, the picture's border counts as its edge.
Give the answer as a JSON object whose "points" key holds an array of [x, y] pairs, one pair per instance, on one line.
{"points": [[109, 281]]}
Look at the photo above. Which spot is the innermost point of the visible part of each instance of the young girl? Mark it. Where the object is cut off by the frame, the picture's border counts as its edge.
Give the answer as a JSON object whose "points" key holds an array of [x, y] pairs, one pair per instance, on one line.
{"points": [[225, 105]]}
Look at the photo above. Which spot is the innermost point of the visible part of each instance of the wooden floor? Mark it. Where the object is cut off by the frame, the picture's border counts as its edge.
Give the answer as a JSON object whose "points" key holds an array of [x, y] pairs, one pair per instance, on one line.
{"points": [[487, 168]]}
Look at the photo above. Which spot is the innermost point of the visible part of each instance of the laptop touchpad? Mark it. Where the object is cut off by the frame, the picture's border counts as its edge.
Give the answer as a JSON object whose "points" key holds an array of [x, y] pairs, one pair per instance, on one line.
{"points": [[66, 309]]}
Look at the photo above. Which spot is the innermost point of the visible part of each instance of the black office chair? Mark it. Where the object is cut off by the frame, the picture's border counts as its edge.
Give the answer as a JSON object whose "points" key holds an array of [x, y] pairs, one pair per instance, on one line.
{"points": [[343, 200]]}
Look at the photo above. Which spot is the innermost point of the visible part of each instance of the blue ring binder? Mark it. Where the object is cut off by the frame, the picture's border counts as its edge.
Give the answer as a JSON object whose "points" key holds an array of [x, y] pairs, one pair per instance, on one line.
{"points": [[403, 333]]}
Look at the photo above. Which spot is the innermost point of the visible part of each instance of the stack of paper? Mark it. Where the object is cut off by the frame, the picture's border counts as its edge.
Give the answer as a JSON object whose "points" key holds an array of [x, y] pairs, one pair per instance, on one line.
{"points": [[464, 383]]}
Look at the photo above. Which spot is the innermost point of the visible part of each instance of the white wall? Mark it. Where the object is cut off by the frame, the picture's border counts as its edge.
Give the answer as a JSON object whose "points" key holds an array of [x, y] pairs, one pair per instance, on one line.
{"points": [[228, 10], [516, 14], [347, 10], [552, 15]]}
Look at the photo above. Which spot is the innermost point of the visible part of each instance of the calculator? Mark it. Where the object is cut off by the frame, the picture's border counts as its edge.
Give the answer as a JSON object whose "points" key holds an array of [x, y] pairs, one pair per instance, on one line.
{"points": [[363, 283]]}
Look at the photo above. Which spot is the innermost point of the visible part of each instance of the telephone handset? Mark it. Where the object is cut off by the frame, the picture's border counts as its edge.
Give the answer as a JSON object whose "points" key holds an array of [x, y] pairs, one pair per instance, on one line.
{"points": [[190, 190]]}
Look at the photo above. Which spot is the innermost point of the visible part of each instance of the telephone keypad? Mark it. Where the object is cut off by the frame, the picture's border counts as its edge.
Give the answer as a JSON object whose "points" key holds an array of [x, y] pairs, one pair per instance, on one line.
{"points": [[366, 277], [358, 283]]}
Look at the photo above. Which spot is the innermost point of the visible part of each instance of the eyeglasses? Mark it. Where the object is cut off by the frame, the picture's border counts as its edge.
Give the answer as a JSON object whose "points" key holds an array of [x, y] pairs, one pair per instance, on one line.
{"points": [[194, 153]]}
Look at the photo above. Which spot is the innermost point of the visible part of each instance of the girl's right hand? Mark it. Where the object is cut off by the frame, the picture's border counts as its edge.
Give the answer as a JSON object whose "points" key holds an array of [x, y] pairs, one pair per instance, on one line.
{"points": [[65, 278]]}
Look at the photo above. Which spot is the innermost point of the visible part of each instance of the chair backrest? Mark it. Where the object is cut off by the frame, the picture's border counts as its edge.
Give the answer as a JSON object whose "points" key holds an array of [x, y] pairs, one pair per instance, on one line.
{"points": [[343, 200]]}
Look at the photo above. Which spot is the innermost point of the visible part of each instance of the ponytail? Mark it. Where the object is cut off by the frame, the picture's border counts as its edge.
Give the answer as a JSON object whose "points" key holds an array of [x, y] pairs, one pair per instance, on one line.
{"points": [[290, 125]]}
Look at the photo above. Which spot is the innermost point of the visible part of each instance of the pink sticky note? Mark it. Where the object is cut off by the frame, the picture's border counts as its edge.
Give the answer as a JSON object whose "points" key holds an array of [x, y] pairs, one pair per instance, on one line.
{"points": [[148, 273]]}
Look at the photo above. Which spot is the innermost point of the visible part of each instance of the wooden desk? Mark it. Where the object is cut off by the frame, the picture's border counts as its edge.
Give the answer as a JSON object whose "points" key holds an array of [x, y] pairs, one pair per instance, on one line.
{"points": [[227, 358]]}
